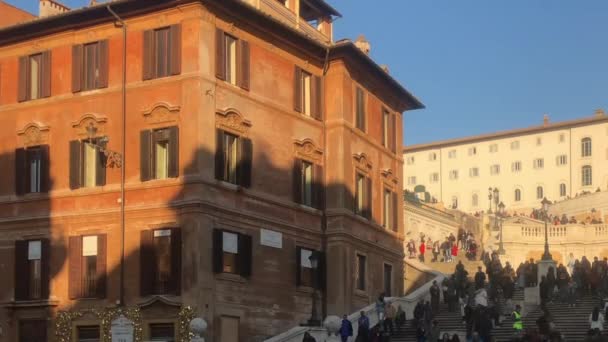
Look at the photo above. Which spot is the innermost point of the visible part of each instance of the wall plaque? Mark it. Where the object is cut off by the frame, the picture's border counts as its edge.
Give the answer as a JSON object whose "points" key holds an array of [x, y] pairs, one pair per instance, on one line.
{"points": [[271, 238], [122, 329]]}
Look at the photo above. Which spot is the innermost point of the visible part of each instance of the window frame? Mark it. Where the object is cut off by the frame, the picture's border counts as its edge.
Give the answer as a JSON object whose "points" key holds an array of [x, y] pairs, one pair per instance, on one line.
{"points": [[387, 212], [586, 147], [305, 281], [387, 286], [360, 180], [475, 200], [515, 145], [159, 287], [564, 193], [360, 267], [149, 330], [434, 177], [586, 175], [474, 172], [517, 195], [360, 109], [562, 160], [539, 163], [516, 166], [495, 169], [540, 192], [493, 148], [453, 174]]}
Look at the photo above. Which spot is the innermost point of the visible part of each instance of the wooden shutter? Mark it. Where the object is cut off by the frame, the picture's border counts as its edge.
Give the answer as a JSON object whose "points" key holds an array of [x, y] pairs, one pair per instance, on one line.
{"points": [[176, 261], [298, 266], [21, 176], [218, 251], [77, 68], [100, 167], [396, 210], [101, 279], [393, 133], [75, 163], [321, 272], [45, 177], [22, 274], [318, 188], [103, 58], [173, 161], [175, 51], [219, 154], [75, 267], [148, 57], [245, 159], [297, 89], [145, 155], [45, 268], [147, 266], [245, 255], [297, 180], [243, 63], [23, 78], [317, 98], [45, 75], [367, 212], [220, 54]]}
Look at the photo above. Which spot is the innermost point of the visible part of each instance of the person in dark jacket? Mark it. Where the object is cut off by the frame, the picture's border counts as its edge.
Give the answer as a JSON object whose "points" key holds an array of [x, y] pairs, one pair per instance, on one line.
{"points": [[480, 278], [308, 337], [346, 330], [435, 293]]}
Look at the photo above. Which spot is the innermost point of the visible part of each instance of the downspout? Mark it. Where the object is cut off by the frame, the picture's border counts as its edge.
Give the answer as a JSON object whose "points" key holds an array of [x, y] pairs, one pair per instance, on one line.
{"points": [[324, 205], [571, 153], [123, 25]]}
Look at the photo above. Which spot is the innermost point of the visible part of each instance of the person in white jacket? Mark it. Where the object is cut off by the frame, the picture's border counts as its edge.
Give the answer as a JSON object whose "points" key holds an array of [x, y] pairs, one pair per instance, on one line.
{"points": [[596, 320]]}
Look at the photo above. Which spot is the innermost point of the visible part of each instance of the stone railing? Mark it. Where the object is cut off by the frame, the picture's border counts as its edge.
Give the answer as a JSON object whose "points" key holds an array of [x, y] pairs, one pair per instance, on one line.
{"points": [[407, 304], [278, 11]]}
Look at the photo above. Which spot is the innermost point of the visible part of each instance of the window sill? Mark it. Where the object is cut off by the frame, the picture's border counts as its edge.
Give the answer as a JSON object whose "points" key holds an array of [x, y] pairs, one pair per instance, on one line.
{"points": [[30, 303], [229, 186], [309, 209], [236, 278]]}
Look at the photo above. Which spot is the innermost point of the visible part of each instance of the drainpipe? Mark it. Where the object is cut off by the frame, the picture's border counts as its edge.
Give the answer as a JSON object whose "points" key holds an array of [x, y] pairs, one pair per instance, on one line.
{"points": [[123, 25], [324, 206]]}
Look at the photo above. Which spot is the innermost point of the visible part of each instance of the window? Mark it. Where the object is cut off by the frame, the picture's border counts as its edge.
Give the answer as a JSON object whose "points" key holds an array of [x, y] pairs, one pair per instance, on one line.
{"points": [[159, 153], [363, 193], [90, 66], [87, 164], [388, 280], [162, 332], [232, 253], [539, 163], [32, 330], [31, 169], [516, 166], [454, 202], [390, 209], [411, 180], [233, 158], [452, 154], [562, 190], [474, 172], [539, 141], [475, 200], [472, 151], [495, 169], [517, 195], [360, 108], [562, 138], [453, 174], [361, 274], [562, 159], [587, 175], [32, 258], [308, 186], [305, 270], [88, 333], [432, 156], [493, 148], [87, 266], [34, 76], [160, 260], [232, 60], [410, 160], [162, 52], [389, 132], [515, 145], [434, 178], [539, 192], [307, 93], [586, 147]]}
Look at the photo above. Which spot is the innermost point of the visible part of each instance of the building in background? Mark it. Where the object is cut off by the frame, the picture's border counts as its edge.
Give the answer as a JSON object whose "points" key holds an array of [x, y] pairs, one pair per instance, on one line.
{"points": [[552, 160], [262, 168]]}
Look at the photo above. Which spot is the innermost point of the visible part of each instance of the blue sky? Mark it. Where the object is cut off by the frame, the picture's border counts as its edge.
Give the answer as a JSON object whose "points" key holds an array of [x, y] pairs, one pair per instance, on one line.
{"points": [[481, 65]]}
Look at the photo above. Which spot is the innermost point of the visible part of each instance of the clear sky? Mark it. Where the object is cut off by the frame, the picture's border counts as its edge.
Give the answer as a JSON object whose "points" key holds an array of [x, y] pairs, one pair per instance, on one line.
{"points": [[481, 65]]}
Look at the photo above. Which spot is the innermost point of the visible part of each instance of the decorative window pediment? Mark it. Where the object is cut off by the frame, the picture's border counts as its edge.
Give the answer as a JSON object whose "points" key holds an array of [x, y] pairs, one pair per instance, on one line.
{"points": [[232, 121], [90, 120], [161, 113], [389, 177], [307, 150], [33, 134], [362, 162]]}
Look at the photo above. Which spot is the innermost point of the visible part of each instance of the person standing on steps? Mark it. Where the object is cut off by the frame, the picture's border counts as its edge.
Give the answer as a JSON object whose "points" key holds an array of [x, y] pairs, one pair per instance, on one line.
{"points": [[422, 249], [380, 307], [389, 321], [435, 251], [346, 329], [435, 332], [308, 337], [596, 320], [435, 293], [363, 330], [518, 325], [480, 278]]}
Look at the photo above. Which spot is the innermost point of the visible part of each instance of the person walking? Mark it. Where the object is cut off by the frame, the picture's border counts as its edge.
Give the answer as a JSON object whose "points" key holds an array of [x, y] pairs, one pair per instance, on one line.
{"points": [[435, 251], [596, 320], [363, 329], [480, 278], [435, 332], [389, 321], [380, 307], [400, 318], [346, 329], [422, 249], [435, 293], [518, 325]]}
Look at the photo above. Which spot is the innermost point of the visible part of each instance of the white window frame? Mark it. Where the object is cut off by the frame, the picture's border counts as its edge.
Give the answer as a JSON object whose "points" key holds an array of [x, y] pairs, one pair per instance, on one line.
{"points": [[516, 166], [539, 163], [586, 175]]}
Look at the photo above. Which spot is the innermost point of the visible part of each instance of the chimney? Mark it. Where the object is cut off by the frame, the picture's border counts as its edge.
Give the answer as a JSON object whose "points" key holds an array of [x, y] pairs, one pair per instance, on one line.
{"points": [[545, 119], [599, 113], [51, 7], [385, 68], [363, 44]]}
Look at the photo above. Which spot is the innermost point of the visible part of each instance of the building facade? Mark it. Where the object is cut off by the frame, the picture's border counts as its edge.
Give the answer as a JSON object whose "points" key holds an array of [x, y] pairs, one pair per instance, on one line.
{"points": [[259, 170], [552, 160]]}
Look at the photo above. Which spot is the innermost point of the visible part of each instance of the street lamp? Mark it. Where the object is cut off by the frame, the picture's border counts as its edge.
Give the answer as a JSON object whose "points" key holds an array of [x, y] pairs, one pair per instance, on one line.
{"points": [[314, 263], [114, 158], [501, 212], [545, 205], [490, 200]]}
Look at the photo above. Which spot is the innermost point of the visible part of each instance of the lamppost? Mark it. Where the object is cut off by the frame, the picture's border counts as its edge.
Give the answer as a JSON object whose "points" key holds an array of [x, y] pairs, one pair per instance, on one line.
{"points": [[314, 320], [490, 200], [114, 158], [545, 205], [501, 213]]}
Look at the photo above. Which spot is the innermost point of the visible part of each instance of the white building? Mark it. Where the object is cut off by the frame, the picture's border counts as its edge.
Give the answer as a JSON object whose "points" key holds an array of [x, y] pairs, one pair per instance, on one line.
{"points": [[553, 160]]}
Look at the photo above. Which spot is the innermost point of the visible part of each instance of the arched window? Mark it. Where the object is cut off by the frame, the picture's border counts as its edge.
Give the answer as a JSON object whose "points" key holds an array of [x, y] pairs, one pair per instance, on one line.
{"points": [[517, 195], [587, 175], [586, 147], [562, 190], [475, 200], [539, 192]]}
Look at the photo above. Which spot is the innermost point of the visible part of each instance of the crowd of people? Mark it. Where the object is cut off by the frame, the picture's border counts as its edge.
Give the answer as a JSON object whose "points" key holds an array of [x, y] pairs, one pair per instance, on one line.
{"points": [[446, 250]]}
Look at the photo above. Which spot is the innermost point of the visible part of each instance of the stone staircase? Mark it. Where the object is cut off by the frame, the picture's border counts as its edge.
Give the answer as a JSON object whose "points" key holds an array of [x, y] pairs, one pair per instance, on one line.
{"points": [[450, 322]]}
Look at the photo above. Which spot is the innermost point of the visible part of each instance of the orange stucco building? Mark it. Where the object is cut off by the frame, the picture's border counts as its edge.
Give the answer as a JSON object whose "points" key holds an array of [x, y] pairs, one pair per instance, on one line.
{"points": [[252, 142]]}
